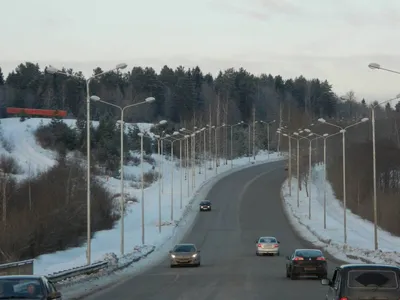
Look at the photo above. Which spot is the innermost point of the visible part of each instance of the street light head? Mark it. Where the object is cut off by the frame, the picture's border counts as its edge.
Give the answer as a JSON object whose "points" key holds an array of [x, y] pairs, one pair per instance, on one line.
{"points": [[156, 136], [176, 133], [374, 66], [312, 124], [121, 66], [182, 129], [311, 134], [95, 98], [192, 135], [364, 119], [307, 130], [273, 121], [52, 70], [325, 134], [223, 124], [162, 122], [212, 126], [140, 134], [241, 122], [342, 131], [285, 134], [167, 136], [321, 120], [187, 136], [296, 133], [149, 99], [203, 129], [195, 127], [300, 131]]}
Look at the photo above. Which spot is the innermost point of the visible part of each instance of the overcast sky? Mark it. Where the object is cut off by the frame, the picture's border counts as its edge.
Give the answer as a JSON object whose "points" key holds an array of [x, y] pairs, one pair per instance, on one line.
{"points": [[328, 39]]}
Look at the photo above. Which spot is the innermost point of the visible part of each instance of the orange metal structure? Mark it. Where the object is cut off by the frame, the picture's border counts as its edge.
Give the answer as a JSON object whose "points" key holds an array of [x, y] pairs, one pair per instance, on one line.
{"points": [[37, 112]]}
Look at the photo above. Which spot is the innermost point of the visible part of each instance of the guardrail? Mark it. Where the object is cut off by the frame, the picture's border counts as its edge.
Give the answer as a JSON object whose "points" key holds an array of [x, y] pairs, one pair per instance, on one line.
{"points": [[83, 270], [23, 267]]}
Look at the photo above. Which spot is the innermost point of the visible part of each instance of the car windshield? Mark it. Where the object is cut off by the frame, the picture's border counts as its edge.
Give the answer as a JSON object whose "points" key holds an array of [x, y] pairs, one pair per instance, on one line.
{"points": [[372, 278], [268, 240], [309, 253], [184, 248], [205, 203], [25, 288]]}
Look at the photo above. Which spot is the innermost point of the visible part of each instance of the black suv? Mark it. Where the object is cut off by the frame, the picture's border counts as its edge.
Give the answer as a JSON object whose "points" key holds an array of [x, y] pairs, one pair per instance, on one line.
{"points": [[364, 281], [205, 205]]}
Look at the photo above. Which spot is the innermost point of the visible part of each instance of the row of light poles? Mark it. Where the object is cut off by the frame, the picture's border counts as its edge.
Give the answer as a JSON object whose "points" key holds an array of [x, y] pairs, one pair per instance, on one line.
{"points": [[184, 134], [298, 136]]}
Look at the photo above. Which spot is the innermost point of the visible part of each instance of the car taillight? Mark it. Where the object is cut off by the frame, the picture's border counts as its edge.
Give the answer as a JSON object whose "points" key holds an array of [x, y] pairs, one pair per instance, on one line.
{"points": [[298, 258], [344, 298], [259, 245], [276, 246], [322, 258]]}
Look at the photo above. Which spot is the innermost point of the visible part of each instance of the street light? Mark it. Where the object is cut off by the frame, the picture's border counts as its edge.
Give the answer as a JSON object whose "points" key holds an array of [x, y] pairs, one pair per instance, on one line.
{"points": [[268, 135], [299, 138], [290, 159], [122, 110], [343, 131], [249, 139], [375, 201], [171, 139], [193, 154], [53, 70], [231, 154], [375, 66]]}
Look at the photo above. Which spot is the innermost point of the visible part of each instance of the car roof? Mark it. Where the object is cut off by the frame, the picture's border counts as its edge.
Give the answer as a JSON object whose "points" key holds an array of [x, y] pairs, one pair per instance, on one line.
{"points": [[307, 250], [185, 245], [205, 200], [21, 277], [267, 237], [368, 266]]}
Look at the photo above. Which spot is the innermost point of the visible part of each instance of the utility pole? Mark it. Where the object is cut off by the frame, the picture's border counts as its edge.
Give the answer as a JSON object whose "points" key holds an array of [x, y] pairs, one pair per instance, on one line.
{"points": [[254, 132]]}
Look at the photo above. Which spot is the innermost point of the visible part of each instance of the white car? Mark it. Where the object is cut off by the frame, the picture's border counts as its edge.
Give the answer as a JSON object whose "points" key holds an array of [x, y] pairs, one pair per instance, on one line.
{"points": [[267, 245]]}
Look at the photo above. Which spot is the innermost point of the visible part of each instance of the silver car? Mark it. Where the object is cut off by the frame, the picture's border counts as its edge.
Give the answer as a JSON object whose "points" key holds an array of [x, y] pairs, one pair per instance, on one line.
{"points": [[267, 245], [185, 254]]}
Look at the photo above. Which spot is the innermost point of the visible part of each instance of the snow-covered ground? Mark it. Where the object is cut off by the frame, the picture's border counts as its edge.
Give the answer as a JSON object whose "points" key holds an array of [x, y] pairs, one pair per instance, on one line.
{"points": [[360, 232], [106, 244]]}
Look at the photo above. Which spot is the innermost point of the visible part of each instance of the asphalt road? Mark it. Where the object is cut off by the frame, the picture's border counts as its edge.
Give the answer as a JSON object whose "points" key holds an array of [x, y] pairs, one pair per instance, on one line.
{"points": [[246, 205]]}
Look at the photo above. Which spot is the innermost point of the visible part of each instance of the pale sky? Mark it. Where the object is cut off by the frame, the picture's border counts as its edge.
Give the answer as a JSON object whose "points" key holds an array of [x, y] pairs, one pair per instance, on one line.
{"points": [[328, 39]]}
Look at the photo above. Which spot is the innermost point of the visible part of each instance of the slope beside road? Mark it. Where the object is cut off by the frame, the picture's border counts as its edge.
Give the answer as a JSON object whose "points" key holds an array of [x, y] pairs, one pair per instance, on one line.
{"points": [[246, 205]]}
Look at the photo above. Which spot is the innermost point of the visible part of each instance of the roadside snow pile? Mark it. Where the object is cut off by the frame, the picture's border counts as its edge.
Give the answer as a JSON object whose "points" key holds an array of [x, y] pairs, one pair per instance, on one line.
{"points": [[360, 232]]}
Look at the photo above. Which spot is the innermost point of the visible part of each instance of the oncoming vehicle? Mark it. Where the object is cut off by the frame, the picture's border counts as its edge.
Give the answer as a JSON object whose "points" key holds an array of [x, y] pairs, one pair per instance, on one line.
{"points": [[309, 262], [185, 254], [205, 205], [27, 287], [364, 281], [267, 245]]}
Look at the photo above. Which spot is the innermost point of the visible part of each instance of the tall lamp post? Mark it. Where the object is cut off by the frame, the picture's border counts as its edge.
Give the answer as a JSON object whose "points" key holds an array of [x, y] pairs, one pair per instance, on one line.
{"points": [[375, 201], [172, 139], [343, 131], [268, 135], [122, 110], [298, 139], [231, 141], [279, 131], [53, 70], [216, 146]]}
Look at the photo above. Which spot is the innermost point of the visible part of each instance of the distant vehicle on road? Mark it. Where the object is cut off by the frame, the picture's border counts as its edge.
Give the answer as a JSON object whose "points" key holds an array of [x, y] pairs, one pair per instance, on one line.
{"points": [[185, 254], [205, 205], [309, 262], [267, 245], [28, 287], [364, 281]]}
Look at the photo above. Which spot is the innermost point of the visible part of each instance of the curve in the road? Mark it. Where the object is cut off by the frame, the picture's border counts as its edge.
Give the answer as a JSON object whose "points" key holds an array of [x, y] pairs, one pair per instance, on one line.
{"points": [[246, 205]]}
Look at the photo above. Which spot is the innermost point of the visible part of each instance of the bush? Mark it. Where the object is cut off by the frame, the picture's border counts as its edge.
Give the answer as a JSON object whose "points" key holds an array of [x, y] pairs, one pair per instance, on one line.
{"points": [[150, 177], [56, 136], [54, 218], [149, 159], [9, 165]]}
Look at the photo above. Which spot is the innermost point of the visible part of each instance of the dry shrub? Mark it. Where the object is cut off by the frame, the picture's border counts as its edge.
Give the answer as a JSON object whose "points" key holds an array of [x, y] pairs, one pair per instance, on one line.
{"points": [[56, 218], [9, 165]]}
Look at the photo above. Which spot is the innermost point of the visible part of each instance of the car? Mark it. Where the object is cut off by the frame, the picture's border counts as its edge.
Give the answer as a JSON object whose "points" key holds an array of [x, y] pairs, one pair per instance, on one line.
{"points": [[363, 281], [205, 205], [267, 245], [185, 254], [28, 287], [308, 262]]}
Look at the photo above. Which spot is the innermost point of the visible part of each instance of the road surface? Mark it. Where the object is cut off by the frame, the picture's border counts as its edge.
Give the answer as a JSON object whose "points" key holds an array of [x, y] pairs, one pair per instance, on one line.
{"points": [[246, 205]]}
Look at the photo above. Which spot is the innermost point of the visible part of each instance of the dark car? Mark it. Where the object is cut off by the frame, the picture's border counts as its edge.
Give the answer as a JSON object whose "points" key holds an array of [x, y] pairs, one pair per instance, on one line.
{"points": [[205, 205], [364, 281], [27, 287], [308, 262], [185, 254]]}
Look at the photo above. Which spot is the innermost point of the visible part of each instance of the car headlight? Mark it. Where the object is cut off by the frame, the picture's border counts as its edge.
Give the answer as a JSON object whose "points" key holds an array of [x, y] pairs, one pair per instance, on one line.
{"points": [[194, 255], [173, 256]]}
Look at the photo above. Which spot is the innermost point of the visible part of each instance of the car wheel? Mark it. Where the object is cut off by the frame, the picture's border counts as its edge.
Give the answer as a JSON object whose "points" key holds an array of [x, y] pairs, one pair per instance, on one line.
{"points": [[277, 254], [172, 266], [287, 273], [293, 276], [258, 254]]}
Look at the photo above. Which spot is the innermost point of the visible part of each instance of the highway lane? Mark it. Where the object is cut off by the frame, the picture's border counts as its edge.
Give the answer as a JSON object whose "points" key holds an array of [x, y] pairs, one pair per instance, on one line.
{"points": [[246, 205]]}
